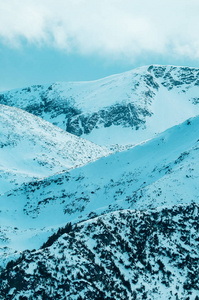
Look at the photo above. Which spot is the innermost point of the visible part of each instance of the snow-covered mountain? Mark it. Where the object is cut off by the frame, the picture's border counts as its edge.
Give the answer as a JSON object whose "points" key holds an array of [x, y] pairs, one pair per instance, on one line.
{"points": [[163, 171], [122, 109], [31, 148], [128, 220], [121, 255]]}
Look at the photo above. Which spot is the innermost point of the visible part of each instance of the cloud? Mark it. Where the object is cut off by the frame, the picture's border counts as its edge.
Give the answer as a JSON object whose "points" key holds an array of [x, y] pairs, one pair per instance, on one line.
{"points": [[117, 28]]}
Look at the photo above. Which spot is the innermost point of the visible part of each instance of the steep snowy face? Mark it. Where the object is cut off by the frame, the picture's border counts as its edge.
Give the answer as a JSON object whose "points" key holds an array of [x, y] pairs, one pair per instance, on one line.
{"points": [[163, 171], [122, 109], [31, 148], [121, 255]]}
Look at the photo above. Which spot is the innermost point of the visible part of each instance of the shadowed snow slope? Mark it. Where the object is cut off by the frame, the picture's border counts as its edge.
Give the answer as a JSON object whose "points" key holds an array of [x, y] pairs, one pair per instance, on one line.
{"points": [[163, 171], [127, 108], [31, 148]]}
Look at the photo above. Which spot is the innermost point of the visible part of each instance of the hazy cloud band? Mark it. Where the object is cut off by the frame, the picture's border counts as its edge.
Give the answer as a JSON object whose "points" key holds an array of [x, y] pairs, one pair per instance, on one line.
{"points": [[107, 27]]}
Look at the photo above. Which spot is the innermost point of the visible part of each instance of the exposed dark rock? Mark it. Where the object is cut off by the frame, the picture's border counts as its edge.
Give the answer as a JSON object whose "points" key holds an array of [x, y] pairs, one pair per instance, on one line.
{"points": [[115, 256]]}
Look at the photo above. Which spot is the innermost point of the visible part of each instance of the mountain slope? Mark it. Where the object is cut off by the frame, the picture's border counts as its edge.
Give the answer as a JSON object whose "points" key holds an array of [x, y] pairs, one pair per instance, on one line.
{"points": [[163, 171], [121, 255], [31, 148], [128, 221], [127, 108]]}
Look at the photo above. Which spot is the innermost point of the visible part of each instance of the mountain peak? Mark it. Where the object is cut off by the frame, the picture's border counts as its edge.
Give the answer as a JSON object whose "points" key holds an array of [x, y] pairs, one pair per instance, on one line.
{"points": [[126, 108]]}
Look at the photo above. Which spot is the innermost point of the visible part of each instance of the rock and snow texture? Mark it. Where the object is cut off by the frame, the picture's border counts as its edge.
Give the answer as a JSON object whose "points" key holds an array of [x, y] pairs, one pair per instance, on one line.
{"points": [[121, 255], [121, 109], [31, 148], [134, 213], [163, 171]]}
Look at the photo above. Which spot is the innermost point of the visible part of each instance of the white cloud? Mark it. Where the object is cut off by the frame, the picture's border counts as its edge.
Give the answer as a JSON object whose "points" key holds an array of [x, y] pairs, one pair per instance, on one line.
{"points": [[107, 27]]}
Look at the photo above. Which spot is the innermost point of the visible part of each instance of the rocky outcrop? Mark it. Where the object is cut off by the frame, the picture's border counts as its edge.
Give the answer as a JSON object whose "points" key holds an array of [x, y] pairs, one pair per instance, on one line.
{"points": [[122, 255]]}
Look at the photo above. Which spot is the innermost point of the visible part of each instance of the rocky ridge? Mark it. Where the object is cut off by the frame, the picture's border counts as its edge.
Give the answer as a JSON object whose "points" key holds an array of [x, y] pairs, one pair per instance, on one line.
{"points": [[125, 103], [122, 255]]}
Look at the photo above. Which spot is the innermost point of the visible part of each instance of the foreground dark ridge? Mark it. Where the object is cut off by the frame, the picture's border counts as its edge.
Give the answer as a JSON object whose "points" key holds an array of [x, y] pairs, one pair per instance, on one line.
{"points": [[121, 255]]}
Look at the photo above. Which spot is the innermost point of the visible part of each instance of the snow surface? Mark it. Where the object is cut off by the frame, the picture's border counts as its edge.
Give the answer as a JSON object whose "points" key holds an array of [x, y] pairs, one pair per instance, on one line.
{"points": [[160, 172], [31, 148]]}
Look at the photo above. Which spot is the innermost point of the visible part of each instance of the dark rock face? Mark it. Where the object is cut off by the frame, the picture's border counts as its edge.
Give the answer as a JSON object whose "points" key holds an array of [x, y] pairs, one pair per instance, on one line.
{"points": [[175, 76], [122, 255], [150, 81], [77, 122], [125, 115], [51, 108], [157, 70]]}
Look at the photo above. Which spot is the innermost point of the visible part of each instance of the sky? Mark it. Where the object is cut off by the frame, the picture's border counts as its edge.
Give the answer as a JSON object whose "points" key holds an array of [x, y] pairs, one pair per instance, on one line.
{"points": [[45, 41]]}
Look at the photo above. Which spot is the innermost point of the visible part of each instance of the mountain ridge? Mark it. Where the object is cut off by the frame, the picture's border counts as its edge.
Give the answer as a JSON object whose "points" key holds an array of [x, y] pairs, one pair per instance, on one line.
{"points": [[32, 148], [115, 256], [120, 109], [160, 172]]}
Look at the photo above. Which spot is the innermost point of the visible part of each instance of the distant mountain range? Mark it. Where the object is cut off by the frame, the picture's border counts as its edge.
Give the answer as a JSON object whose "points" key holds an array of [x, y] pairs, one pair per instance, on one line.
{"points": [[127, 205]]}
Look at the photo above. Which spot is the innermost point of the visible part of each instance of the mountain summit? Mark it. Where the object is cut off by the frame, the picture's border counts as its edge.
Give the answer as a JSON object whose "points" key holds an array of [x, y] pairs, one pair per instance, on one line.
{"points": [[122, 109]]}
